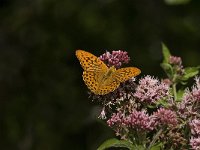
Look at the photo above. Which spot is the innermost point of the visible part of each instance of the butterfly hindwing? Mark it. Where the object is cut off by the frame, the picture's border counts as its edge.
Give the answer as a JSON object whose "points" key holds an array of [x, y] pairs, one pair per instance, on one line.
{"points": [[124, 74], [110, 86], [89, 62], [98, 88]]}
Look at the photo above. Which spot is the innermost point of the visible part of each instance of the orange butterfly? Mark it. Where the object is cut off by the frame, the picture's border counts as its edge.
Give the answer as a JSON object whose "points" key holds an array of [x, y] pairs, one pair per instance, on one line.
{"points": [[99, 78]]}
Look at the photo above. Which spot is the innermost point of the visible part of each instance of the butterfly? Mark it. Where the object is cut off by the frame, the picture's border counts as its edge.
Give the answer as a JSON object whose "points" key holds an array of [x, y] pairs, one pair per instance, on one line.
{"points": [[99, 78]]}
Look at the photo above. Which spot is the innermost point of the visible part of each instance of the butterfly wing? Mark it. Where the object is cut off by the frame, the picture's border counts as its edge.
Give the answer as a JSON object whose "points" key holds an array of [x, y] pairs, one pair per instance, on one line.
{"points": [[95, 69], [91, 79], [108, 88], [89, 62], [124, 74]]}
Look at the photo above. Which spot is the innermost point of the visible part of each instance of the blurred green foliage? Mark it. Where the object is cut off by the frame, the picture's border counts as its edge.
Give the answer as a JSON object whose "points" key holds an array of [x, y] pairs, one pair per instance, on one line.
{"points": [[43, 100], [177, 2]]}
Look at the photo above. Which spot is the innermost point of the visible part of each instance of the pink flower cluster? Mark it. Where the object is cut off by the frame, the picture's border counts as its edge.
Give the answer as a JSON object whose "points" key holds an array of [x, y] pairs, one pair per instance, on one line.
{"points": [[195, 143], [166, 117], [195, 131], [175, 60], [153, 106], [136, 120], [116, 119], [190, 103], [195, 93], [195, 127], [117, 123], [117, 58], [140, 120], [151, 90]]}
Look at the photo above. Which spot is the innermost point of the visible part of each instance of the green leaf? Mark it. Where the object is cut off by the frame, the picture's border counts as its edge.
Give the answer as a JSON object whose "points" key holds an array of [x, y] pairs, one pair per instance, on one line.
{"points": [[180, 95], [166, 53], [167, 68], [176, 2], [162, 102], [183, 82], [157, 146], [116, 143], [152, 106], [190, 72]]}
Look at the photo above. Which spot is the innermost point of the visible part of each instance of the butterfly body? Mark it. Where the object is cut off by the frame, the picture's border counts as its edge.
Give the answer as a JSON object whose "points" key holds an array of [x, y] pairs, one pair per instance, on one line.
{"points": [[98, 77], [107, 75]]}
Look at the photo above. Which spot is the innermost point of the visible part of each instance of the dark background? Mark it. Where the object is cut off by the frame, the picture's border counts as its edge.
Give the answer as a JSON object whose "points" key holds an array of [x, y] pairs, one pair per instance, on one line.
{"points": [[44, 103]]}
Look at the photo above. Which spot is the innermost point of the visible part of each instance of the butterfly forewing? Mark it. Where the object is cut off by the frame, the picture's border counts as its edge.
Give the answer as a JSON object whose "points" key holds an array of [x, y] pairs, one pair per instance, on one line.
{"points": [[90, 79], [89, 62], [124, 74]]}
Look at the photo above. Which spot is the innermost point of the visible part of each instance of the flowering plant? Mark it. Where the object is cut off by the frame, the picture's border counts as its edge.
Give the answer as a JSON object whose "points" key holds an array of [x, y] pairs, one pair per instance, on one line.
{"points": [[152, 114]]}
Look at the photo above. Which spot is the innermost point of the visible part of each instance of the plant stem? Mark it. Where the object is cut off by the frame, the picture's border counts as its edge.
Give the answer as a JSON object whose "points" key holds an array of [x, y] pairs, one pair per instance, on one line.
{"points": [[174, 91], [154, 139]]}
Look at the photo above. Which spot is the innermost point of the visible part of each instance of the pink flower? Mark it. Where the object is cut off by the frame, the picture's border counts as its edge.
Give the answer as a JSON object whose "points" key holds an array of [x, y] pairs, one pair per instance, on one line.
{"points": [[195, 127], [195, 143], [150, 90], [196, 90], [117, 58], [140, 120], [166, 117], [116, 119], [194, 94], [191, 101], [103, 114], [175, 60]]}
